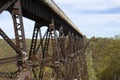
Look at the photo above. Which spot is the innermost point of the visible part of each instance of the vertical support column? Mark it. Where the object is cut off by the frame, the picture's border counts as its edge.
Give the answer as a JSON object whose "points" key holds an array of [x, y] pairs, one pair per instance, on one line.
{"points": [[34, 41], [18, 26], [68, 52], [78, 49], [20, 40], [54, 41], [84, 63], [70, 57], [33, 46], [81, 62], [69, 46], [56, 52], [55, 56], [76, 57], [63, 56], [44, 54], [62, 42]]}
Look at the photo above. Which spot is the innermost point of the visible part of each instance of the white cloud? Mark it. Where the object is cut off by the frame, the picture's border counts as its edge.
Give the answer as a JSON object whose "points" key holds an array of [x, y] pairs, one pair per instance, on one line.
{"points": [[97, 5], [100, 25], [97, 18]]}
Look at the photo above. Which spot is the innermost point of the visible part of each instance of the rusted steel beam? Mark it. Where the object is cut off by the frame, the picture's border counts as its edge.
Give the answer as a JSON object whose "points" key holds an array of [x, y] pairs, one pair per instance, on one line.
{"points": [[9, 41], [34, 41], [6, 5], [61, 48], [20, 39], [18, 26]]}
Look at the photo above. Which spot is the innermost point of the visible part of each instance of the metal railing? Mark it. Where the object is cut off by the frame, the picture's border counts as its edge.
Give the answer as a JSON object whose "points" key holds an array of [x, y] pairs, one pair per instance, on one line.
{"points": [[56, 9]]}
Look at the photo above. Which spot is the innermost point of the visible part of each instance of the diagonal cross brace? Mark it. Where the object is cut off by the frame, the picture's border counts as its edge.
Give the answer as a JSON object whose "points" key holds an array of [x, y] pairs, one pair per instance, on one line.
{"points": [[7, 5], [7, 39]]}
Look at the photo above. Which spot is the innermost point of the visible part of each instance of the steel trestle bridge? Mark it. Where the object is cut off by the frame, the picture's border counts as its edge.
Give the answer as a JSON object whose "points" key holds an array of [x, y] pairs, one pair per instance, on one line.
{"points": [[59, 54]]}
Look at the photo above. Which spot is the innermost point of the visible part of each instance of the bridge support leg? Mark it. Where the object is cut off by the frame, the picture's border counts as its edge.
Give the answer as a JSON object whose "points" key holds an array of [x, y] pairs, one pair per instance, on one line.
{"points": [[84, 72], [20, 40], [18, 26], [34, 41]]}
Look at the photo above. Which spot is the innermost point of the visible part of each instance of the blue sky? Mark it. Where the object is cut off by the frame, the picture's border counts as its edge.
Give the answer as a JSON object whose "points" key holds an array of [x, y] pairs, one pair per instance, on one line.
{"points": [[99, 18]]}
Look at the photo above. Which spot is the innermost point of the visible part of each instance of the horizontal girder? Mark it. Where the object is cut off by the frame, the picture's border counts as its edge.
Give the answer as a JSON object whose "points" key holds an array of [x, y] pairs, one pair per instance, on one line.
{"points": [[39, 10]]}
